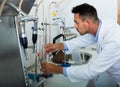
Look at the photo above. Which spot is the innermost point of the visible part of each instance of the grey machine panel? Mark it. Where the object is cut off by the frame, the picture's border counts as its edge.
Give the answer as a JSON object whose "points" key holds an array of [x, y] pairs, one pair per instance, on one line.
{"points": [[26, 7], [11, 68]]}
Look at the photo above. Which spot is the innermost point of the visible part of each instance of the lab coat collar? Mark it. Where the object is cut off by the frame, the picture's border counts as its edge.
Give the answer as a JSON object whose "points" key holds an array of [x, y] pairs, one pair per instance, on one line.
{"points": [[96, 36]]}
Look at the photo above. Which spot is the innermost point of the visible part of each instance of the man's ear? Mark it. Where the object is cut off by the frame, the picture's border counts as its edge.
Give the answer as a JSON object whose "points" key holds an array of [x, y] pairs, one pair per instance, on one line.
{"points": [[88, 22]]}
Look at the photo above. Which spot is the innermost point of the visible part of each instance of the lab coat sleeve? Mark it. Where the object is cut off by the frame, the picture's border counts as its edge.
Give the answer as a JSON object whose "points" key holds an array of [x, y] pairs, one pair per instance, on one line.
{"points": [[81, 41], [108, 56]]}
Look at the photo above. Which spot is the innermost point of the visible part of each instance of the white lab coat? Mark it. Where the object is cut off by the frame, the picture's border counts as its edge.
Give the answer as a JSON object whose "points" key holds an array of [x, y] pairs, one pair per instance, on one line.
{"points": [[108, 58]]}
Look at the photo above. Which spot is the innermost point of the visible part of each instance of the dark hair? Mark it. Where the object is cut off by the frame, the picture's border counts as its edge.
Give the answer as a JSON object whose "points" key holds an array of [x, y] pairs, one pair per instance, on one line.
{"points": [[86, 11]]}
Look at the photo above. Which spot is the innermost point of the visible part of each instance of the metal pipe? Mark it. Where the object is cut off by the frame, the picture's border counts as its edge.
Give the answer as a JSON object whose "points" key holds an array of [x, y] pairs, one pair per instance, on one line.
{"points": [[49, 24], [17, 9], [50, 20], [45, 40], [36, 61], [29, 18], [37, 7]]}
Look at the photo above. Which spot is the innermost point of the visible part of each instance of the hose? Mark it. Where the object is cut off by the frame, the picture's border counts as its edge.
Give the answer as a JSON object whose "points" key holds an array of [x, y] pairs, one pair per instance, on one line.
{"points": [[20, 4], [2, 6]]}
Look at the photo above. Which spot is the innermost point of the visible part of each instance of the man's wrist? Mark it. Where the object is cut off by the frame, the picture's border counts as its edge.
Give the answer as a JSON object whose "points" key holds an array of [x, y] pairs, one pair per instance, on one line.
{"points": [[59, 70]]}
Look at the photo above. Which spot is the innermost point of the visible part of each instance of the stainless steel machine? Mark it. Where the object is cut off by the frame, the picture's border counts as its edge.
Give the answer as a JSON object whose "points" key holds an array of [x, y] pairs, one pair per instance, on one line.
{"points": [[12, 54], [12, 72]]}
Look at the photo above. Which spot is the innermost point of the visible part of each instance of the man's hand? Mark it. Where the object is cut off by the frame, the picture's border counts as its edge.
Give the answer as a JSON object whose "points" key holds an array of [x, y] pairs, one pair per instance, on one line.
{"points": [[49, 68], [53, 47]]}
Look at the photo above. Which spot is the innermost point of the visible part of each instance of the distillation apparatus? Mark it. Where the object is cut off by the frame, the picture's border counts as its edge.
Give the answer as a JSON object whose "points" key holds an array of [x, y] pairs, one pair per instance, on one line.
{"points": [[62, 31], [13, 22]]}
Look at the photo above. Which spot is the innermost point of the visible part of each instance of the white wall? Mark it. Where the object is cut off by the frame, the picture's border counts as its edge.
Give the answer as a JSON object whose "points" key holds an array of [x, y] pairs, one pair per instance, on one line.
{"points": [[105, 8]]}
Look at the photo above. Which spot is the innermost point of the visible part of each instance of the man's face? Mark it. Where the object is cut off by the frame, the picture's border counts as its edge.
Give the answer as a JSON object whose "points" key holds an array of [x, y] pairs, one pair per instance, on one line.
{"points": [[81, 26]]}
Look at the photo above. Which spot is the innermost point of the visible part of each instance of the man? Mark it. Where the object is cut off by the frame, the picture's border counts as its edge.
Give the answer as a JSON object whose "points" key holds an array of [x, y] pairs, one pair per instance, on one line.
{"points": [[106, 34]]}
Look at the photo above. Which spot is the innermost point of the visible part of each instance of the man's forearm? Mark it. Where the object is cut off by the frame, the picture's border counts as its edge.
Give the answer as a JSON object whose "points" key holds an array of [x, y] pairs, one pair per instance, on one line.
{"points": [[60, 46]]}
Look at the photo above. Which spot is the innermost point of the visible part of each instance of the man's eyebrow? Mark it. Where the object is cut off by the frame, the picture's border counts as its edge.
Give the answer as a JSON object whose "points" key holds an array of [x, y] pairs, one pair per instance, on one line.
{"points": [[75, 21]]}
